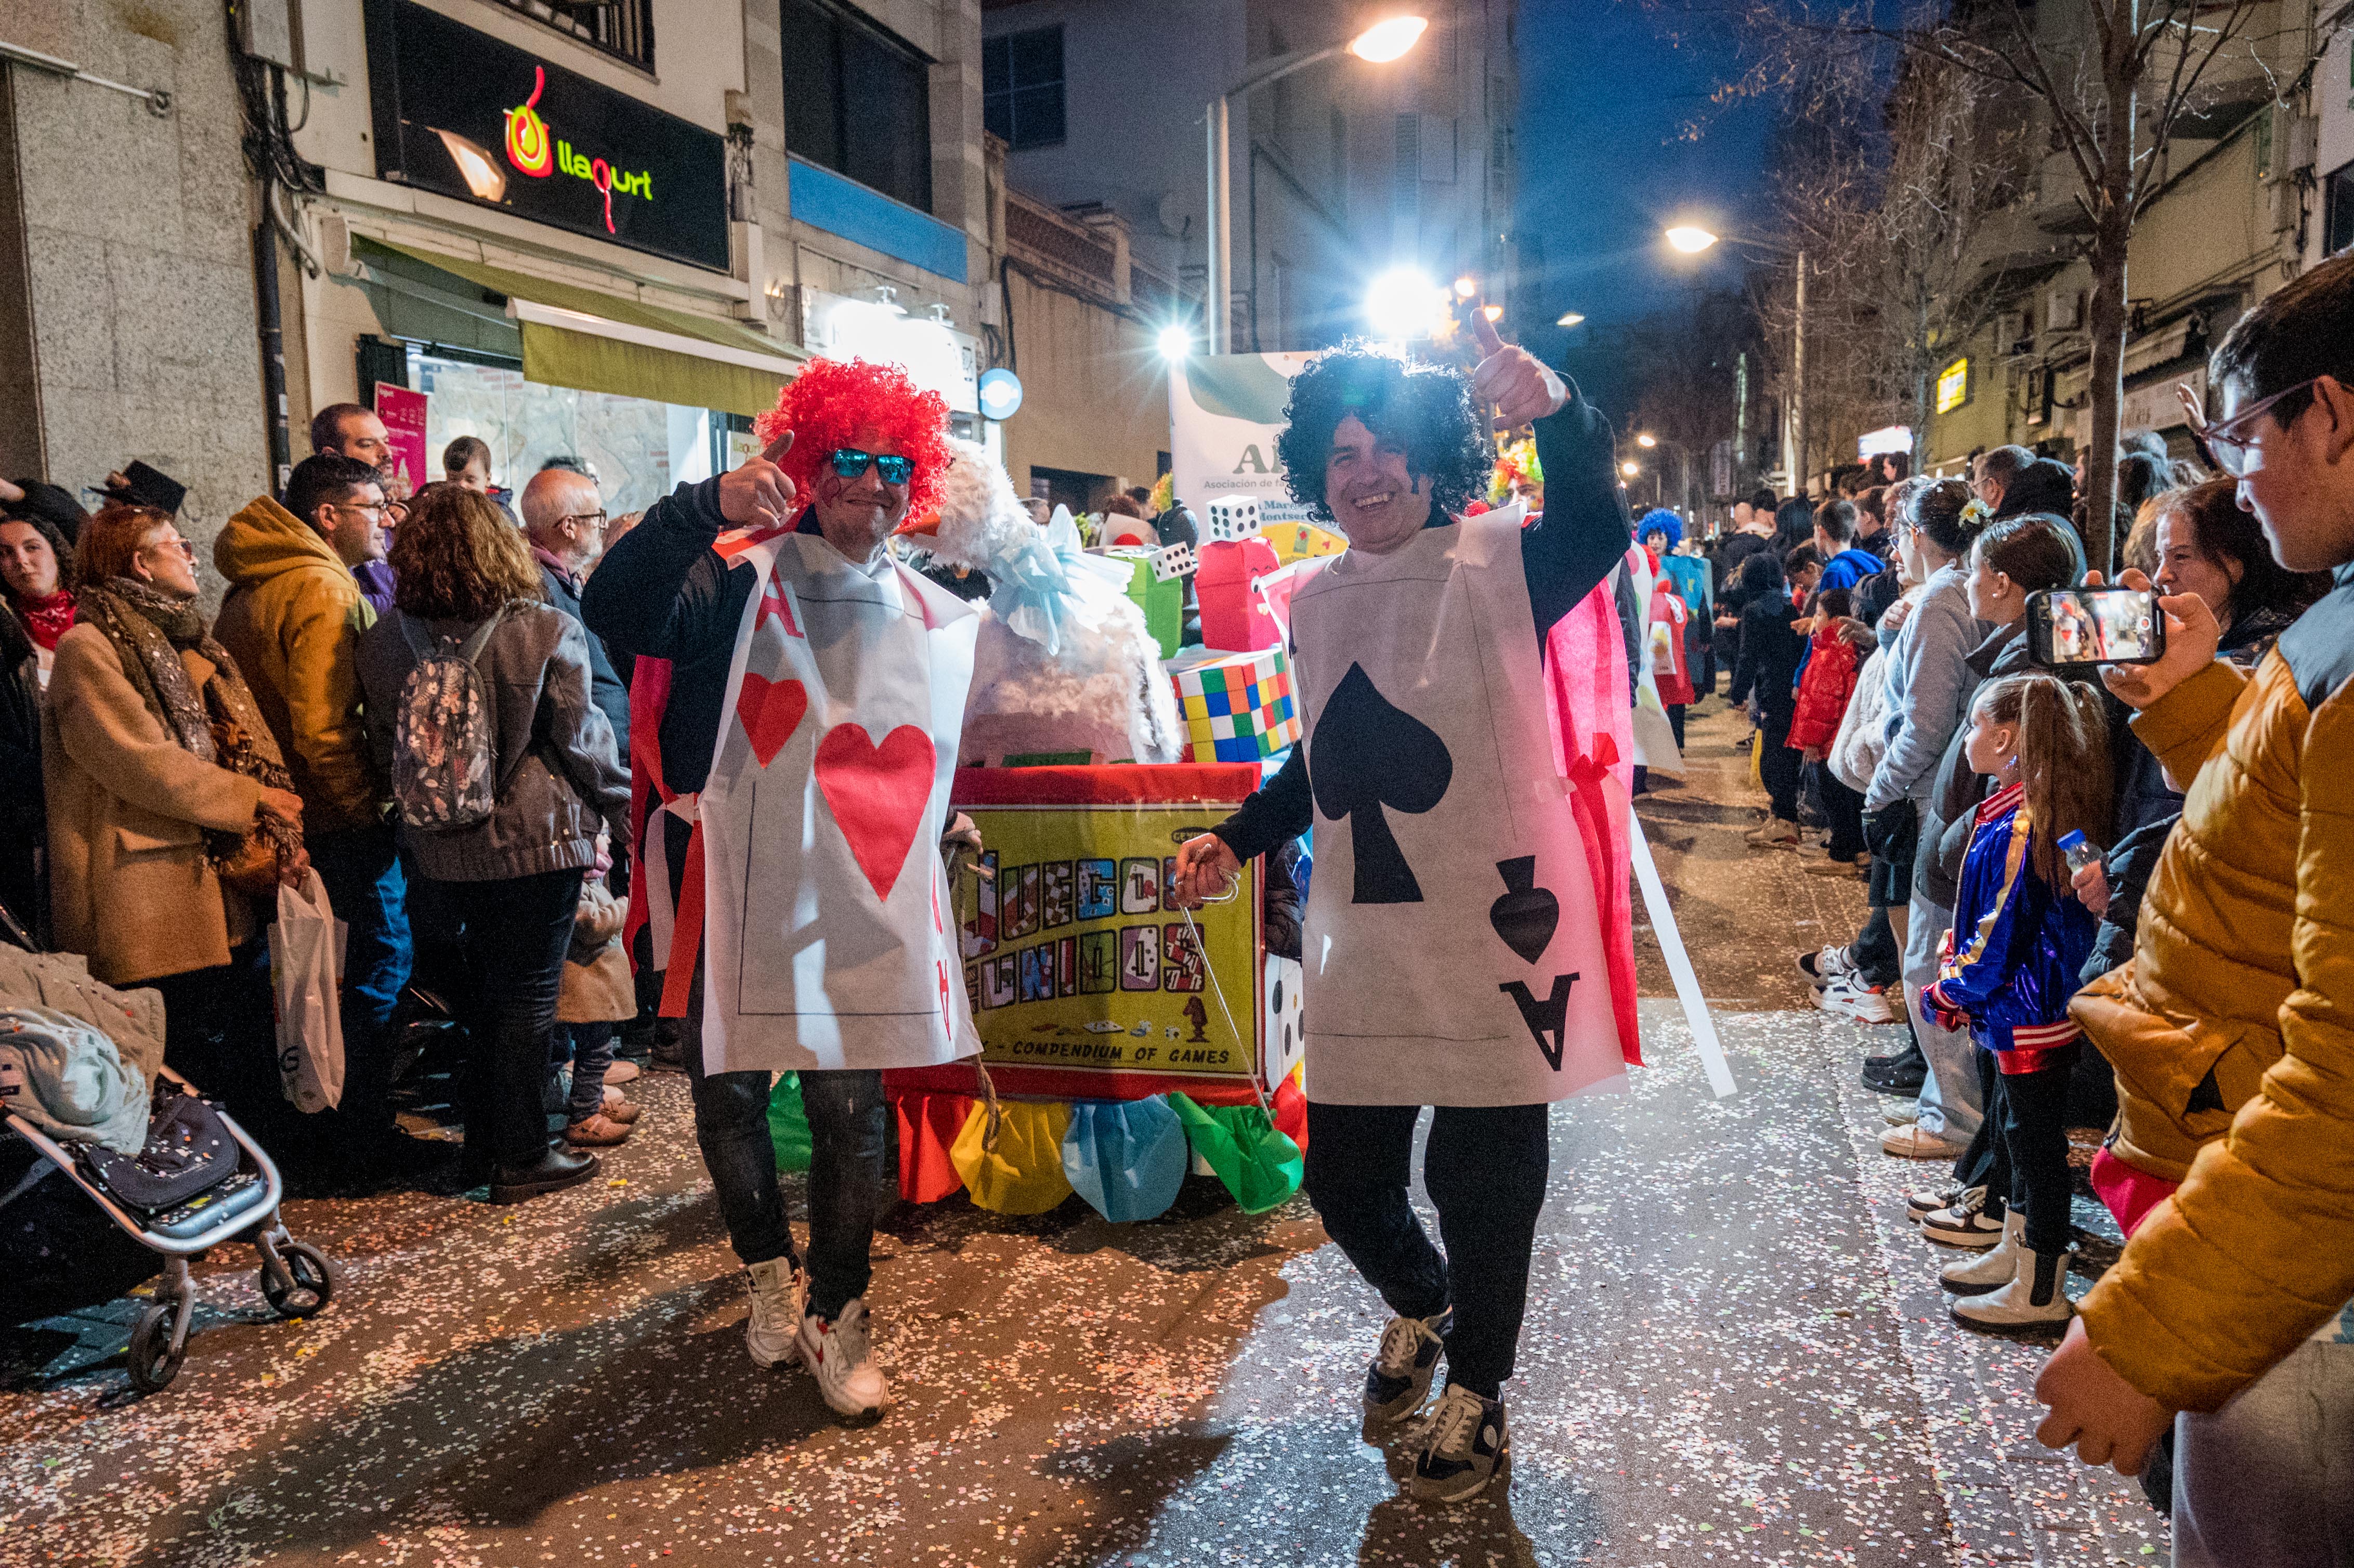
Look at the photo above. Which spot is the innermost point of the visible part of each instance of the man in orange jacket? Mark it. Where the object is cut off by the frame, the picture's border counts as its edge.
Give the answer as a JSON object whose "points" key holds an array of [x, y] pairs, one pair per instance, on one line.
{"points": [[2230, 1314]]}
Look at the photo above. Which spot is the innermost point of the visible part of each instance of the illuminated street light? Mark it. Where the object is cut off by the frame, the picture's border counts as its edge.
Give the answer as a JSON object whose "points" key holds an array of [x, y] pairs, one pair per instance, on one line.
{"points": [[1493, 312], [1176, 341], [1689, 240], [1569, 318], [1466, 287], [1629, 468], [476, 167], [1385, 41], [1402, 306], [1647, 439]]}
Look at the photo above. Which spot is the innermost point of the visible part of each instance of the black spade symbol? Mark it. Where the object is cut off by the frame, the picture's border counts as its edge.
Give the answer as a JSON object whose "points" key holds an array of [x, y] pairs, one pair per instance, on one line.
{"points": [[1368, 755], [1526, 915]]}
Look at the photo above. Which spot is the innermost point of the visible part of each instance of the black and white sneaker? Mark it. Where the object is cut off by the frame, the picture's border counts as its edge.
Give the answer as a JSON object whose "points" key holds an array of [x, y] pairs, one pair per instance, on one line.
{"points": [[1825, 965], [1467, 1448], [1920, 1204], [1399, 1380]]}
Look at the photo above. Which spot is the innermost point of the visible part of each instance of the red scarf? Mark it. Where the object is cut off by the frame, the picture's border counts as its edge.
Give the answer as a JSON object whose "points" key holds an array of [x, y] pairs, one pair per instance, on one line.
{"points": [[49, 618]]}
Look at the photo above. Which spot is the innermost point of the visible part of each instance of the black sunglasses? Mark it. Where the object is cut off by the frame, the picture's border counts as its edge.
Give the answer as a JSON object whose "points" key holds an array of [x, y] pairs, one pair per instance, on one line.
{"points": [[849, 462]]}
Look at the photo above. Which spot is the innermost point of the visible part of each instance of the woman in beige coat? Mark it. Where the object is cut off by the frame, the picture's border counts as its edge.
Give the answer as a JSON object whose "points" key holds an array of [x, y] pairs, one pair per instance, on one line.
{"points": [[158, 766]]}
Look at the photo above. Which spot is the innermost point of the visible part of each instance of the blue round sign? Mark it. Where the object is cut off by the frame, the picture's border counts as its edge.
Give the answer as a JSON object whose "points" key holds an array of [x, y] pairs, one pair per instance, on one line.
{"points": [[1001, 393]]}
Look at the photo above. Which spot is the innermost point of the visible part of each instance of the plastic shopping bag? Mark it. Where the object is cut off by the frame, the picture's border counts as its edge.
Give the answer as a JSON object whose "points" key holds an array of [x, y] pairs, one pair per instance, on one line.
{"points": [[307, 966]]}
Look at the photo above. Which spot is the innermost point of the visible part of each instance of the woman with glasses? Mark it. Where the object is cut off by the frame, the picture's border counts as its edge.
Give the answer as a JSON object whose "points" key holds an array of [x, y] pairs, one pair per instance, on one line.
{"points": [[159, 771]]}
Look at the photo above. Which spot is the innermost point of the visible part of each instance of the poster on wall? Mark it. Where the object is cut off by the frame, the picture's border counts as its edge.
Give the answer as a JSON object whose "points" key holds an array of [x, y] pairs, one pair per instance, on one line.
{"points": [[1075, 959], [403, 413], [1224, 413]]}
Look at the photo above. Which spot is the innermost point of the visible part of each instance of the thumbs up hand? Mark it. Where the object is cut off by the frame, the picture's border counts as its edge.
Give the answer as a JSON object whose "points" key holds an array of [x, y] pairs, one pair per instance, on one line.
{"points": [[759, 493], [1512, 379]]}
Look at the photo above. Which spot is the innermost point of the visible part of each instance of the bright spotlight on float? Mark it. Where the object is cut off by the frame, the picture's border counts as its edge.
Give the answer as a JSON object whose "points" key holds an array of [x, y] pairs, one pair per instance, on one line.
{"points": [[1385, 41], [1402, 306], [1176, 341], [1690, 239], [1629, 469]]}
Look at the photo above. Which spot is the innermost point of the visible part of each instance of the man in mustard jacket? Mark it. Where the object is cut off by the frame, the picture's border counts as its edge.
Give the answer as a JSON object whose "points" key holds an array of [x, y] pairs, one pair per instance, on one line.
{"points": [[2229, 1313], [292, 621]]}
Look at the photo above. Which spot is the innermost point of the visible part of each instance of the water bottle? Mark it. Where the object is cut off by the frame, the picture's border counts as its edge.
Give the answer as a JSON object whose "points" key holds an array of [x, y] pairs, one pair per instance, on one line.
{"points": [[2078, 850]]}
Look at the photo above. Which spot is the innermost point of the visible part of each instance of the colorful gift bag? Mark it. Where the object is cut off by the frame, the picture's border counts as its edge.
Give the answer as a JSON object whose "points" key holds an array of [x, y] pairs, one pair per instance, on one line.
{"points": [[1126, 1158], [1260, 1166], [789, 1127], [1162, 600], [1236, 707], [1023, 1173], [1232, 617], [930, 1125]]}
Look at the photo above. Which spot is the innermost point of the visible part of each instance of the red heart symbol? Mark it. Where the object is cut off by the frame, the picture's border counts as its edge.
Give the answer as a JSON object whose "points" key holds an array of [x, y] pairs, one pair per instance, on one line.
{"points": [[771, 711], [877, 793]]}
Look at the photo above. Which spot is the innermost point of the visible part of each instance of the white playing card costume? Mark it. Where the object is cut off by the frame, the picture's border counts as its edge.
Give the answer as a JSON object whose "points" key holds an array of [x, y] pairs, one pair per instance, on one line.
{"points": [[1454, 955], [828, 938]]}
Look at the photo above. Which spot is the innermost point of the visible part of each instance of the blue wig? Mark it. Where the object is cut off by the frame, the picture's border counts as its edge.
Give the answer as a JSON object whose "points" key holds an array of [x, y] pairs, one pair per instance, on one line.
{"points": [[1660, 520]]}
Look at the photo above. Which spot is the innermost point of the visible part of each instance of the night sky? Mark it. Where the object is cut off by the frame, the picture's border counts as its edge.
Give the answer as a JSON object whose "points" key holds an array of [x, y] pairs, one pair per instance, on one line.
{"points": [[1606, 93]]}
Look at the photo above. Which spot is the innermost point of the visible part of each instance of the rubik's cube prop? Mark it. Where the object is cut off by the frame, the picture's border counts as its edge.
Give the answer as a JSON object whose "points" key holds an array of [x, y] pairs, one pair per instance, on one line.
{"points": [[1238, 707]]}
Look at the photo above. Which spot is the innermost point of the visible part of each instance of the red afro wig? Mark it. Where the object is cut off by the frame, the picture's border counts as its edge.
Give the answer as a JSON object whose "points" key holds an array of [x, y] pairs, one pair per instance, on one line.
{"points": [[831, 400]]}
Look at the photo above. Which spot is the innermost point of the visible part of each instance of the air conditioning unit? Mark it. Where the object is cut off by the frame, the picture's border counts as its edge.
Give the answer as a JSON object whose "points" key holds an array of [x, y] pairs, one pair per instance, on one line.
{"points": [[2010, 333], [2300, 143], [2288, 206], [2063, 310]]}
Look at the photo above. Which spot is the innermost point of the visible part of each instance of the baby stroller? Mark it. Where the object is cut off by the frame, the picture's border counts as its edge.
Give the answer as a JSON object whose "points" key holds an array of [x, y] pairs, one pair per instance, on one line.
{"points": [[201, 1182]]}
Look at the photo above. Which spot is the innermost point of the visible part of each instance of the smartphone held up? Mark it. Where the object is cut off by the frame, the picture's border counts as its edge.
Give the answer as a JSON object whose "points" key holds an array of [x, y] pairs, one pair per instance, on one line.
{"points": [[2069, 628]]}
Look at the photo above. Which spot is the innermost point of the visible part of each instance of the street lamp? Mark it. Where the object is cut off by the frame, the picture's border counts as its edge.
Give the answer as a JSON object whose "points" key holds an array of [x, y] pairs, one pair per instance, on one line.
{"points": [[1174, 341], [1570, 319], [1692, 239], [1382, 42], [1647, 439]]}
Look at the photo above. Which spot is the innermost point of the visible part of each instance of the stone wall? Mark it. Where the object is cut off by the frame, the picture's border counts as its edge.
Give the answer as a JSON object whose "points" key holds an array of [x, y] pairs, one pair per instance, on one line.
{"points": [[138, 252]]}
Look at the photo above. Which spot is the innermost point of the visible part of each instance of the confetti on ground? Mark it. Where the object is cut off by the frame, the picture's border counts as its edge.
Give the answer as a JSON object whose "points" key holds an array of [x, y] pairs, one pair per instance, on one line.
{"points": [[1734, 1353]]}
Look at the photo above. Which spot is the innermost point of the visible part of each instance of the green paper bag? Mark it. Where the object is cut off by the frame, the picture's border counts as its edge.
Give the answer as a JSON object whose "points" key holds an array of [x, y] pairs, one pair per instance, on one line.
{"points": [[1260, 1166], [1163, 603], [789, 1123]]}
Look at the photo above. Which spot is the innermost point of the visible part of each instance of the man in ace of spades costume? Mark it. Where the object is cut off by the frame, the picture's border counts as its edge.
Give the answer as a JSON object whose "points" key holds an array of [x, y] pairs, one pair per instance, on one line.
{"points": [[811, 692], [1453, 950]]}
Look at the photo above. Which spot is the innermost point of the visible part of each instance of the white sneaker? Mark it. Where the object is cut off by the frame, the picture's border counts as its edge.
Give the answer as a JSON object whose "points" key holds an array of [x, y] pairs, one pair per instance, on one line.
{"points": [[1900, 1113], [1825, 965], [1989, 1271], [1964, 1223], [778, 1291], [1920, 1206], [2036, 1298], [840, 1355], [1848, 996]]}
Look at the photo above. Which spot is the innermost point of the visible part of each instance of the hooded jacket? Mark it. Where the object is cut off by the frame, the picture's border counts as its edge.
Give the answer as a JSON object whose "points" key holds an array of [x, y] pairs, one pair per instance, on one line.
{"points": [[1929, 688], [2230, 1031], [293, 621]]}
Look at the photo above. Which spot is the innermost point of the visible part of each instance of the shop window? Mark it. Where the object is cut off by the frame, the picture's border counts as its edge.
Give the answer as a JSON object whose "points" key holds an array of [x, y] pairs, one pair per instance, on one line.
{"points": [[1022, 86], [857, 100], [622, 28], [2338, 210]]}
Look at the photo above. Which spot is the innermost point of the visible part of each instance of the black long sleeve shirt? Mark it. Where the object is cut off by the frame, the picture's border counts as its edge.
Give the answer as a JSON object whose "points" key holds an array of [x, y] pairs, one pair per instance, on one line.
{"points": [[1565, 553]]}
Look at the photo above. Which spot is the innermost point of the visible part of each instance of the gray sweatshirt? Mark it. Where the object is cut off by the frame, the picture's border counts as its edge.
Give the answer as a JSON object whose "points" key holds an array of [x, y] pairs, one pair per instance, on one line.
{"points": [[1929, 689]]}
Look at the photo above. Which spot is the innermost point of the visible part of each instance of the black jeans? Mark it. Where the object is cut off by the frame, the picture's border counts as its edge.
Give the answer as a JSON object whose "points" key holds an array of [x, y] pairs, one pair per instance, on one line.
{"points": [[1844, 806], [1984, 1162], [1486, 1168], [510, 936], [1877, 957], [2032, 1109], [1778, 766], [221, 1034], [850, 1178]]}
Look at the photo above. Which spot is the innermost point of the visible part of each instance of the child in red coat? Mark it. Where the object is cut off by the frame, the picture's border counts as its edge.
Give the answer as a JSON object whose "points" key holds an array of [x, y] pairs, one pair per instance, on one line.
{"points": [[1824, 688]]}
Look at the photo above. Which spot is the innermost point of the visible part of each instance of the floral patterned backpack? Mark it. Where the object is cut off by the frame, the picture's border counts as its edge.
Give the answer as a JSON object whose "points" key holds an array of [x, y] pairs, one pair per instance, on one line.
{"points": [[443, 759]]}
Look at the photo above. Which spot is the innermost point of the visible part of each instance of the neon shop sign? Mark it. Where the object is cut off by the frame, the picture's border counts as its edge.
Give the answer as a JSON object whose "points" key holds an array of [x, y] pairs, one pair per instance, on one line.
{"points": [[536, 151]]}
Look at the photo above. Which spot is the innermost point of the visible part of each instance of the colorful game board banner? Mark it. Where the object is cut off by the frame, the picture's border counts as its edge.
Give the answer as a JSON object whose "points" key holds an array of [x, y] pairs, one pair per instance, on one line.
{"points": [[1074, 958]]}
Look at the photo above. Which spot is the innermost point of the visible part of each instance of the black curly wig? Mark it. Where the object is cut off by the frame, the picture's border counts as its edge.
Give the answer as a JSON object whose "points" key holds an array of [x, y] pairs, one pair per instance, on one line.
{"points": [[1427, 409]]}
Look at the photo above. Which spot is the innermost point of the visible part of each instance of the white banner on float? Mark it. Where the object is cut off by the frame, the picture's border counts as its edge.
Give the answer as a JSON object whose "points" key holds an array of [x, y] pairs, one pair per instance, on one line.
{"points": [[1225, 412]]}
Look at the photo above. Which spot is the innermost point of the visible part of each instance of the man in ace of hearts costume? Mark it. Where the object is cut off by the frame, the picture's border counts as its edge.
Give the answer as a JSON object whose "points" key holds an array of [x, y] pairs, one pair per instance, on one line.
{"points": [[802, 758], [1454, 955]]}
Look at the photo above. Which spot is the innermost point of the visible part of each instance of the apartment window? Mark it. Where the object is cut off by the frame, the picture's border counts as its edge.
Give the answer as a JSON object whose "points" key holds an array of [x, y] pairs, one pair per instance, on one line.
{"points": [[621, 28], [857, 100], [2337, 209], [1022, 86]]}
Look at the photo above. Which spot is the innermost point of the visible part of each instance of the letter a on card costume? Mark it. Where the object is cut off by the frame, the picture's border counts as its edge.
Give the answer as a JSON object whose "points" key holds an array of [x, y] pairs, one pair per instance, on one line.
{"points": [[829, 943], [1455, 953]]}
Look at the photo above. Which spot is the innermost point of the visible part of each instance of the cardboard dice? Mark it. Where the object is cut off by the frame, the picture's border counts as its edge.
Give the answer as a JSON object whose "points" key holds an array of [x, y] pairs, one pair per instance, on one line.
{"points": [[1235, 517]]}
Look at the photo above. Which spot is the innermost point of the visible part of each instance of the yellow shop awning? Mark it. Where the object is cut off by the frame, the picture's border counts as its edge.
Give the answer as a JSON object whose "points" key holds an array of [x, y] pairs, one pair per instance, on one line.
{"points": [[596, 342]]}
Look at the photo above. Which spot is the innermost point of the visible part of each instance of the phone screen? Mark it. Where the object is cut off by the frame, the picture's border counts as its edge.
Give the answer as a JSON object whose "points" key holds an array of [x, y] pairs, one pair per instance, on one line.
{"points": [[2097, 626]]}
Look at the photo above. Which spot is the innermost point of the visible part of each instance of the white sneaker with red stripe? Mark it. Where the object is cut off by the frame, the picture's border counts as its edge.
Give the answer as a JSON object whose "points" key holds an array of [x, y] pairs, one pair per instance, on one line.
{"points": [[1846, 996], [840, 1355]]}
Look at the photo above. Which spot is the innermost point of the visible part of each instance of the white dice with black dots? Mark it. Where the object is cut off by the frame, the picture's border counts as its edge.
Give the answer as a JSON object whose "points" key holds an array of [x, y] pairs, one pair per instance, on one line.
{"points": [[1235, 517]]}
